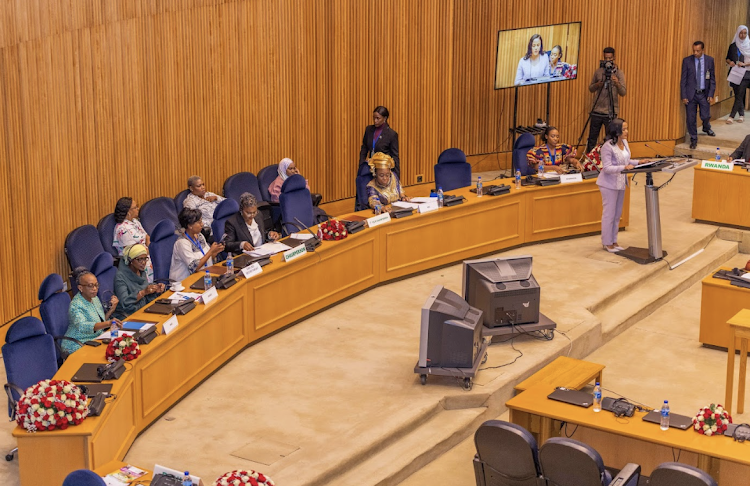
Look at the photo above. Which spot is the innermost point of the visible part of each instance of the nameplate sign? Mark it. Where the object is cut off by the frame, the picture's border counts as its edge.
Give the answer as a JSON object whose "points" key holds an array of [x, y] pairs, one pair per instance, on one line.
{"points": [[297, 252], [567, 178], [378, 220], [706, 164], [427, 207], [252, 270], [209, 295], [170, 325]]}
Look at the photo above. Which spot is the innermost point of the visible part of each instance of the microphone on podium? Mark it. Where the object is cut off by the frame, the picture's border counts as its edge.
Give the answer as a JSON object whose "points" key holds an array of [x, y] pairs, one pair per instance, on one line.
{"points": [[687, 156]]}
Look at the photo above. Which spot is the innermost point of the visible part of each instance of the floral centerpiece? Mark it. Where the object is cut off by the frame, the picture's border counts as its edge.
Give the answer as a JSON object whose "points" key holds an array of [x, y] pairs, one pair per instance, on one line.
{"points": [[123, 347], [712, 420], [50, 405], [238, 478], [332, 229]]}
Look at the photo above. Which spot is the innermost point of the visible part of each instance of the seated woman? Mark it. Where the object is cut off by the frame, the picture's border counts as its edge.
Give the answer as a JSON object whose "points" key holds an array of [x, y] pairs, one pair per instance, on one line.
{"points": [[86, 314], [191, 252], [552, 153], [743, 151], [557, 68], [202, 200], [131, 285], [245, 229], [287, 168], [385, 188], [129, 231]]}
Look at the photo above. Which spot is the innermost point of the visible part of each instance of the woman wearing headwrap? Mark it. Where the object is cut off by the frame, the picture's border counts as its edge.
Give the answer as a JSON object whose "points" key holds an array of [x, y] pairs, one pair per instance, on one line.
{"points": [[385, 188], [287, 168], [131, 285], [739, 55], [129, 231]]}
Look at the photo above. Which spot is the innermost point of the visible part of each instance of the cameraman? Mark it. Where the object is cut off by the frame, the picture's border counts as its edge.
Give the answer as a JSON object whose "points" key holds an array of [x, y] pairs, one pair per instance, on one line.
{"points": [[605, 110]]}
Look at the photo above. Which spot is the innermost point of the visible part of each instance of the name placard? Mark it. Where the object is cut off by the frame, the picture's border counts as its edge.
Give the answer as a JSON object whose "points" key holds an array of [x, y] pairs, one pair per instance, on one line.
{"points": [[726, 166], [290, 255], [427, 207], [568, 178], [170, 325], [209, 295], [378, 220], [252, 270]]}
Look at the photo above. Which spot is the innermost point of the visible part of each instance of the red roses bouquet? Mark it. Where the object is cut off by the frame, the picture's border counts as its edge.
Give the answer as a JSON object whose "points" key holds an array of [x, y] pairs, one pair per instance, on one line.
{"points": [[332, 229], [712, 420], [238, 478], [50, 405], [124, 347]]}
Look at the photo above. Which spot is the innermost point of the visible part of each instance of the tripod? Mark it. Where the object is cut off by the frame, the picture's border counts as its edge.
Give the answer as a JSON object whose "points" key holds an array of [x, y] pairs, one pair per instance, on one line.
{"points": [[610, 109]]}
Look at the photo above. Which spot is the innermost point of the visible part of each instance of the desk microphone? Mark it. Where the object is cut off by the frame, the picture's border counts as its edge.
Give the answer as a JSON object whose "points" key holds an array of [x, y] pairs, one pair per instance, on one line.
{"points": [[679, 154], [658, 155], [316, 241]]}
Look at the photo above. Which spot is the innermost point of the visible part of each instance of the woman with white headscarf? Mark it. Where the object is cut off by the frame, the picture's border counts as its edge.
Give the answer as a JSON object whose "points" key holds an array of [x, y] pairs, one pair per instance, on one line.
{"points": [[287, 168], [739, 55]]}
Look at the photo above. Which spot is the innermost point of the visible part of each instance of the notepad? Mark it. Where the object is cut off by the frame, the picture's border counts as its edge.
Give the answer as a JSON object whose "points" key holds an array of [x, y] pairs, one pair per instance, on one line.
{"points": [[136, 325]]}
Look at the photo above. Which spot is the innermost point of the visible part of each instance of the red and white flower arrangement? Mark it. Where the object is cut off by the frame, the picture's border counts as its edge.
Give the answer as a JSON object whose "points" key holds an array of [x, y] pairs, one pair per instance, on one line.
{"points": [[50, 405], [332, 229], [123, 347], [711, 420], [239, 478]]}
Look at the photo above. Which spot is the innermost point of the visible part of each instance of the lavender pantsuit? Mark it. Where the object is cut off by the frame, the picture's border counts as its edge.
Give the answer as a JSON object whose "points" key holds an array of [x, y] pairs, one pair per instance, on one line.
{"points": [[612, 185]]}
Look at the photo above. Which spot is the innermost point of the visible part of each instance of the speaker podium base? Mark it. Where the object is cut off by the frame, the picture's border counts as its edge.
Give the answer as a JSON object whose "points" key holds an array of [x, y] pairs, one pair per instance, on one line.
{"points": [[640, 255]]}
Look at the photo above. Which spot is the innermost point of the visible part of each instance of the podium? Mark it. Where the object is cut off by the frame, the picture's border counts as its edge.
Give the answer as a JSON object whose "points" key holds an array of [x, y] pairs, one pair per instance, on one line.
{"points": [[654, 252]]}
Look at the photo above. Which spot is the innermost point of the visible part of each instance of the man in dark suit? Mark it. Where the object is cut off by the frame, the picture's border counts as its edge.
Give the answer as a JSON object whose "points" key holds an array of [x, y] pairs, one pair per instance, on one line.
{"points": [[245, 229], [697, 87]]}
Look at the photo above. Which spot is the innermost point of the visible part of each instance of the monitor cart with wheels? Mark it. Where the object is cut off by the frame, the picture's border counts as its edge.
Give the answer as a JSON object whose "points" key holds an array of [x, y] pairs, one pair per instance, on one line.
{"points": [[466, 373]]}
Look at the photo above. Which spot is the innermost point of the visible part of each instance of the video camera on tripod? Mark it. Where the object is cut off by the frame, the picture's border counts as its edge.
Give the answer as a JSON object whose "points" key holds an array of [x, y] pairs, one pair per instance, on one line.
{"points": [[609, 68]]}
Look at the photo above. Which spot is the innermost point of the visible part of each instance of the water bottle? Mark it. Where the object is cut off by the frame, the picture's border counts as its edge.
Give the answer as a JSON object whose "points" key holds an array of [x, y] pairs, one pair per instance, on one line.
{"points": [[187, 481], [440, 196], [230, 264], [207, 283], [597, 398], [664, 425], [518, 179], [718, 155], [113, 330], [479, 186], [540, 171], [377, 210]]}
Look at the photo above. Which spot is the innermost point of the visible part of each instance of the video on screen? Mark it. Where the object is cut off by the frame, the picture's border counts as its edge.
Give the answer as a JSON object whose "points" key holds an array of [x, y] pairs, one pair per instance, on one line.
{"points": [[537, 55]]}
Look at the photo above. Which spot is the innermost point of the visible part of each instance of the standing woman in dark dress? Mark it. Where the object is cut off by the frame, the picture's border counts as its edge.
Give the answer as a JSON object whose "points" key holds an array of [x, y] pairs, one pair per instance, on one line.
{"points": [[739, 55], [379, 137]]}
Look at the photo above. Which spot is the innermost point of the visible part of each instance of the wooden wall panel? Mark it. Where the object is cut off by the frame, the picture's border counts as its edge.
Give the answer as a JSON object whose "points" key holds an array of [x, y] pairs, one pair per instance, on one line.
{"points": [[105, 98]]}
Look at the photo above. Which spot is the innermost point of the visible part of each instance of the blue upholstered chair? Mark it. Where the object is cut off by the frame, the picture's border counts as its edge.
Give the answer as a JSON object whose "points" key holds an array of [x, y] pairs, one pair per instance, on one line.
{"points": [[83, 477], [82, 245], [521, 147], [155, 210], [104, 270], [223, 211], [452, 171], [29, 357], [242, 182], [676, 474], [179, 200], [295, 204], [106, 229], [364, 176], [568, 462], [161, 248], [507, 454], [54, 309], [266, 176]]}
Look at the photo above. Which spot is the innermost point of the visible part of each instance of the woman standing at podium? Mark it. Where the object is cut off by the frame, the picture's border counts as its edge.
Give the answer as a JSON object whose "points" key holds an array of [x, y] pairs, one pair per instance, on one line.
{"points": [[615, 154]]}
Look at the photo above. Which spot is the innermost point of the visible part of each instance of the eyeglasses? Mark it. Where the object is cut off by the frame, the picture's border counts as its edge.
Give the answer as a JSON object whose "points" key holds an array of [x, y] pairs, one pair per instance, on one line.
{"points": [[140, 259], [91, 285]]}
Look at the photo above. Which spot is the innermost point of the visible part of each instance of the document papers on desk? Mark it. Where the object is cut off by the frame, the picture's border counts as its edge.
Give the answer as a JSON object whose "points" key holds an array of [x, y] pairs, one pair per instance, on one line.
{"points": [[267, 249], [301, 236], [405, 205]]}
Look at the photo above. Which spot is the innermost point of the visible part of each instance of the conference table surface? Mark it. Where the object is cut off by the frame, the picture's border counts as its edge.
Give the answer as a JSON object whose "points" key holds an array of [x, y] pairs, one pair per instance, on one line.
{"points": [[210, 335]]}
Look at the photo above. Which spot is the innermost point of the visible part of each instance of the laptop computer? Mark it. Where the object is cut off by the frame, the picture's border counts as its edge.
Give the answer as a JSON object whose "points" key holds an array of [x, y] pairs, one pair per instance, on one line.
{"points": [[677, 421], [573, 397], [88, 373]]}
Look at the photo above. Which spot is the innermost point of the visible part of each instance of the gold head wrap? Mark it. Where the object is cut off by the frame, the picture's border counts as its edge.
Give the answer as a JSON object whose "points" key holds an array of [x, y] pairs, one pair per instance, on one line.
{"points": [[379, 160], [132, 252]]}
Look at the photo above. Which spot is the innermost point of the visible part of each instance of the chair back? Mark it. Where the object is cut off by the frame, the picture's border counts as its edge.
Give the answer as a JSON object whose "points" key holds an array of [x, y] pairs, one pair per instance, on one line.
{"points": [[54, 308], [676, 474], [106, 229], [161, 248], [568, 462], [28, 353], [521, 147], [155, 210], [83, 477], [452, 171], [179, 201], [364, 176], [266, 176], [507, 455], [295, 203], [223, 211], [82, 245], [240, 183], [105, 272]]}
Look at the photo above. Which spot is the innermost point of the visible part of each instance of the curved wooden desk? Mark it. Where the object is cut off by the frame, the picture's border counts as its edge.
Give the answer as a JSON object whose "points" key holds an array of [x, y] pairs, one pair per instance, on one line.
{"points": [[209, 336], [718, 196]]}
